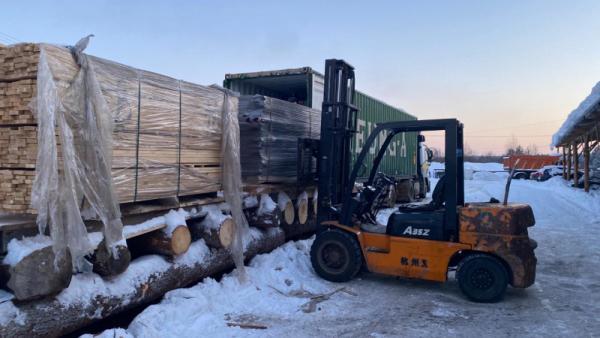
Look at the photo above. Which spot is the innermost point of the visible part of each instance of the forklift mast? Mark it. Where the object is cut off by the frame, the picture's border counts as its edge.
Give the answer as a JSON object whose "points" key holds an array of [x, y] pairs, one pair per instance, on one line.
{"points": [[338, 124]]}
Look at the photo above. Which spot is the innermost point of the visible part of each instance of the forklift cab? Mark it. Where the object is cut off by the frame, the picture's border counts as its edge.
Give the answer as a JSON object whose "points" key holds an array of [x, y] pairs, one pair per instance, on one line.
{"points": [[486, 243], [436, 220]]}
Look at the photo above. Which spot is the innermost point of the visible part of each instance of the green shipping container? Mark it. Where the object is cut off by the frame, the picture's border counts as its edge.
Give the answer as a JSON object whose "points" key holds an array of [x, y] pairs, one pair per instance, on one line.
{"points": [[306, 86]]}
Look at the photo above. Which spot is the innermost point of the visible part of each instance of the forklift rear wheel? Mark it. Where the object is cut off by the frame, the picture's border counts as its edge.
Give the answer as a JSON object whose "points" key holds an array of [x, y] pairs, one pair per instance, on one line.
{"points": [[335, 255], [482, 278]]}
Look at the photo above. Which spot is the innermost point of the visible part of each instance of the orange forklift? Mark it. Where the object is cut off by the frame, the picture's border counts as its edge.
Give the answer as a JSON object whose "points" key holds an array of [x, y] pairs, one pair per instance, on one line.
{"points": [[487, 244]]}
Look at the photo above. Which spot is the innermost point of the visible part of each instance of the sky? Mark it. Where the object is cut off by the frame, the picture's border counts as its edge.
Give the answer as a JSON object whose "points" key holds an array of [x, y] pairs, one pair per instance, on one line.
{"points": [[509, 70]]}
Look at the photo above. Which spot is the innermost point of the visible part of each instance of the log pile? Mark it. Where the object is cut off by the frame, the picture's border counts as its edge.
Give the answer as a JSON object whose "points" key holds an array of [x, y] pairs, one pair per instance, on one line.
{"points": [[51, 317], [167, 243], [30, 271], [166, 139], [269, 132]]}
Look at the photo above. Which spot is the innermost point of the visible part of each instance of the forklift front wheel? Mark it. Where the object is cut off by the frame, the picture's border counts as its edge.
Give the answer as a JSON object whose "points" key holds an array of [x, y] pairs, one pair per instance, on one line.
{"points": [[482, 278], [336, 256]]}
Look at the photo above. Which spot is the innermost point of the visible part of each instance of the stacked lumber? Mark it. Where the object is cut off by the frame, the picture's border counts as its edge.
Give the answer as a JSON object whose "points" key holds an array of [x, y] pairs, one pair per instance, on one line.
{"points": [[166, 140], [18, 62], [15, 98], [269, 132], [15, 190]]}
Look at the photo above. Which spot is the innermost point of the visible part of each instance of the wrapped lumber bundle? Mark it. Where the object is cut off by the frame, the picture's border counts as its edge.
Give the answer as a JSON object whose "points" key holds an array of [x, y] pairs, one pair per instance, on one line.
{"points": [[80, 132], [269, 130], [165, 137]]}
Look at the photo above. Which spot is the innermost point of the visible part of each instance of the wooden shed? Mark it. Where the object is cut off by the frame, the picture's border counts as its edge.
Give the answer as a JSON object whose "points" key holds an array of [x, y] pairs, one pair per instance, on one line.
{"points": [[579, 135]]}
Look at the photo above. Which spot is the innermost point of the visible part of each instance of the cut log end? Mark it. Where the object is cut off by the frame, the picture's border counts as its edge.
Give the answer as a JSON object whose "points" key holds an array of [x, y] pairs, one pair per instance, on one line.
{"points": [[302, 211], [106, 264], [227, 232], [289, 213], [159, 242], [181, 240], [38, 275], [220, 236]]}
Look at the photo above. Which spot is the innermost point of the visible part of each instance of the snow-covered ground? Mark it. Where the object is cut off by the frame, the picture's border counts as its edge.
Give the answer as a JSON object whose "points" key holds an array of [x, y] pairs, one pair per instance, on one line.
{"points": [[285, 296]]}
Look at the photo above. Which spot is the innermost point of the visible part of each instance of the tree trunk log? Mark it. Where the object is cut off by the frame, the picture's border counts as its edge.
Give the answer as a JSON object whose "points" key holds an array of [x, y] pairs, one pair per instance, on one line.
{"points": [[160, 242], [271, 219], [35, 276], [297, 230], [51, 317], [107, 265], [302, 205], [287, 207], [218, 237]]}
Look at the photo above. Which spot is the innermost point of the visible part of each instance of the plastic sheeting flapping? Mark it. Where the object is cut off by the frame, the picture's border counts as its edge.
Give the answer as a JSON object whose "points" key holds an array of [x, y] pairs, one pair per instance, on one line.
{"points": [[80, 113], [232, 176], [110, 134], [270, 129]]}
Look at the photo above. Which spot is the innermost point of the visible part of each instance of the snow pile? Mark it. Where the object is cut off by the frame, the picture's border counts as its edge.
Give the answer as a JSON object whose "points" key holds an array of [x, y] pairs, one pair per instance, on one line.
{"points": [[267, 205], [112, 333], [468, 174], [470, 168], [486, 166], [214, 217], [10, 313], [577, 115], [280, 287], [282, 200], [18, 249], [85, 287], [486, 176], [250, 201], [173, 219]]}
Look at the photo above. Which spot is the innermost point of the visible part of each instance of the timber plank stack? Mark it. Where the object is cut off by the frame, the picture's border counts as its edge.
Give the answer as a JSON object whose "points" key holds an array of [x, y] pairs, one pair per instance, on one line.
{"points": [[166, 137], [269, 133]]}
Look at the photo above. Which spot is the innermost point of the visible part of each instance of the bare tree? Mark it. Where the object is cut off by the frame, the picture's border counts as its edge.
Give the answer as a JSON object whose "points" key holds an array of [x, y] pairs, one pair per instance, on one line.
{"points": [[532, 149]]}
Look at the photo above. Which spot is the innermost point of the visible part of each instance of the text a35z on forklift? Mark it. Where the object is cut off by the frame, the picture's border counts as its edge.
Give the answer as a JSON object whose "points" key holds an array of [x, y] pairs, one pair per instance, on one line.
{"points": [[487, 243]]}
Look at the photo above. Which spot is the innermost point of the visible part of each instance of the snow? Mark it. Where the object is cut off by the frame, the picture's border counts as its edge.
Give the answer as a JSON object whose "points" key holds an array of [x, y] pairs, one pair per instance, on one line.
{"points": [[266, 205], [112, 333], [282, 200], [10, 313], [488, 176], [564, 301], [577, 115], [18, 249], [280, 285], [303, 197], [250, 201], [214, 217], [173, 219]]}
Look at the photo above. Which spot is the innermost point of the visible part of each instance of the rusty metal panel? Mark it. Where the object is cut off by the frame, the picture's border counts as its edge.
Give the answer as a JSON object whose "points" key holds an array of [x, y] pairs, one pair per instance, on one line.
{"points": [[496, 218], [502, 231]]}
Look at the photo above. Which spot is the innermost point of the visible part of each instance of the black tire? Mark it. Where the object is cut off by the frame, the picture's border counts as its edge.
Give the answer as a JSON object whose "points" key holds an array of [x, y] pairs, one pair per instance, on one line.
{"points": [[520, 176], [482, 278], [335, 255]]}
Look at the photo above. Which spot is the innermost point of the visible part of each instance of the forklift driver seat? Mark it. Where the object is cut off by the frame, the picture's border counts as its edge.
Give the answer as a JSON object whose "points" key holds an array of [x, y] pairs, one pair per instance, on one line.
{"points": [[437, 199]]}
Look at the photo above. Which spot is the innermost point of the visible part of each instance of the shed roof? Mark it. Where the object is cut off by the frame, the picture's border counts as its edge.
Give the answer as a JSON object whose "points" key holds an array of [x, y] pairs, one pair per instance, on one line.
{"points": [[583, 121]]}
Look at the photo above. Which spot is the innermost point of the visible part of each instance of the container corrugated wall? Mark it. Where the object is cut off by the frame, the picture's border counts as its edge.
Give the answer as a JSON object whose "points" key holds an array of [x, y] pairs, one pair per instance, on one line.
{"points": [[400, 158]]}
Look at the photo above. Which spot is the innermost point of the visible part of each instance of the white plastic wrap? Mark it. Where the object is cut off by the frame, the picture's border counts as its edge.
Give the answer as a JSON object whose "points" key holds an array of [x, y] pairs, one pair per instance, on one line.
{"points": [[232, 176], [81, 116]]}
